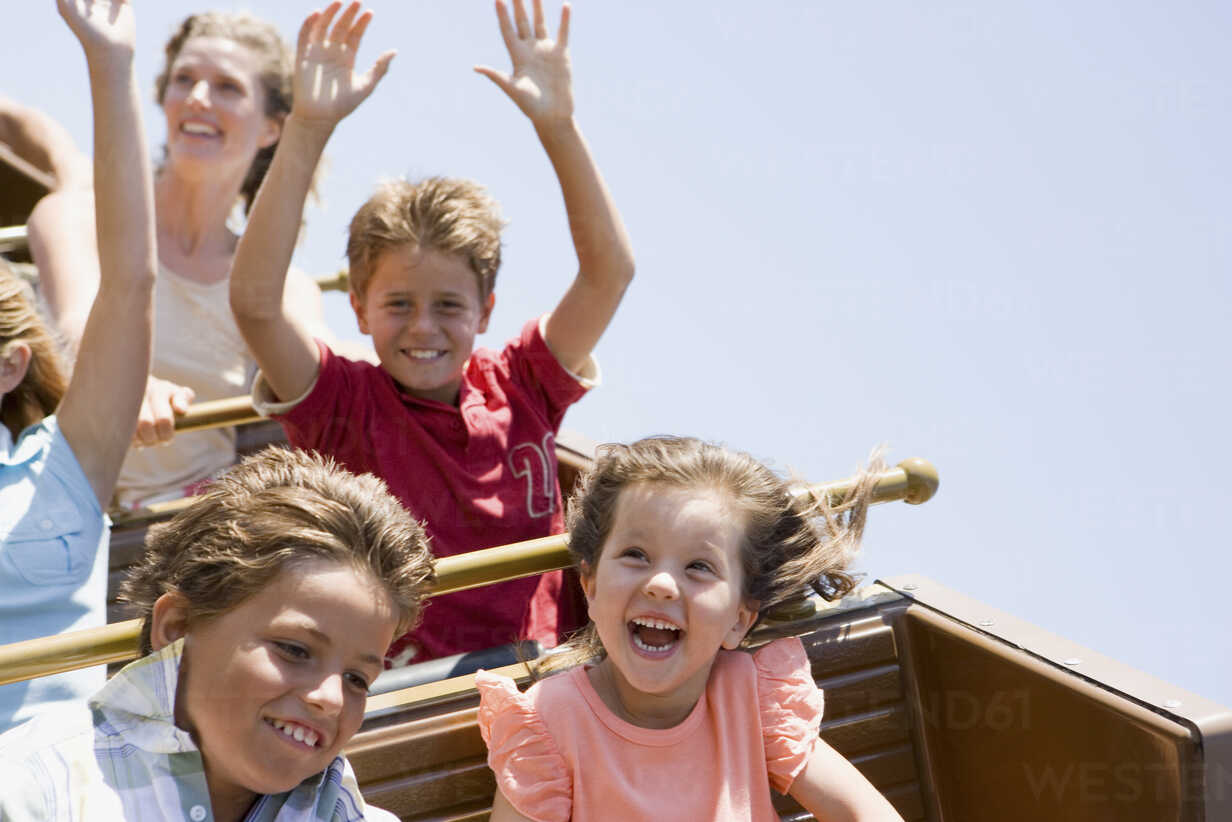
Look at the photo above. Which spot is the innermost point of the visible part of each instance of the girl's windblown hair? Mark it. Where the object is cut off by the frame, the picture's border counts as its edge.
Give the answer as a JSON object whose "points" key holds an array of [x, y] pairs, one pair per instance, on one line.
{"points": [[39, 394], [793, 539]]}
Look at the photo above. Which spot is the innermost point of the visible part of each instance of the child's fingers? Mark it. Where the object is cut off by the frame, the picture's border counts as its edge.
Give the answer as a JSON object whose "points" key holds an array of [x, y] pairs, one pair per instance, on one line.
{"points": [[321, 28], [144, 433], [164, 428], [356, 34], [380, 67], [182, 399], [501, 80], [562, 34], [155, 422], [519, 15], [305, 32], [116, 8], [541, 29], [342, 28], [506, 26]]}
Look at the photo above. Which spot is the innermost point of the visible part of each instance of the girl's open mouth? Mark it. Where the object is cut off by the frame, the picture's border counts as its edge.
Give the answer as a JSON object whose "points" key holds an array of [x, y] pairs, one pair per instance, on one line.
{"points": [[653, 636]]}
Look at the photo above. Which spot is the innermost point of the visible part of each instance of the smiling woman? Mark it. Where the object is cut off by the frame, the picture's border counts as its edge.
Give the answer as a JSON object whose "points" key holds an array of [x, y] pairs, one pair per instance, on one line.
{"points": [[224, 91], [267, 607]]}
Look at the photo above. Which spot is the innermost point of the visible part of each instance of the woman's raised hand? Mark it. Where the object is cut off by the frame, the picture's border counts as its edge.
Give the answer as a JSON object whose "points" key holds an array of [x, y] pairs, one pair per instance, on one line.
{"points": [[104, 27], [327, 88], [542, 81]]}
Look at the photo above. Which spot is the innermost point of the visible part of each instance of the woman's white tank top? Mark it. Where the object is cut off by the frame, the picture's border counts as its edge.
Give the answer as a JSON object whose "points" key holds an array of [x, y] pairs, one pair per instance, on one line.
{"points": [[197, 344]]}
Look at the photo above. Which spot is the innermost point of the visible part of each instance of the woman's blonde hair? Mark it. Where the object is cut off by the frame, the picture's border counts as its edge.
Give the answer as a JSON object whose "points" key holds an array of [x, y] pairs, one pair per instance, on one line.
{"points": [[275, 74], [40, 392], [272, 511], [792, 540]]}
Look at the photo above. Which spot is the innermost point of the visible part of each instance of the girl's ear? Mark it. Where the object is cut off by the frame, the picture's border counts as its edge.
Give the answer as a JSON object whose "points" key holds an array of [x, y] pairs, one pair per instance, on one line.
{"points": [[169, 621], [14, 365], [588, 580], [746, 615]]}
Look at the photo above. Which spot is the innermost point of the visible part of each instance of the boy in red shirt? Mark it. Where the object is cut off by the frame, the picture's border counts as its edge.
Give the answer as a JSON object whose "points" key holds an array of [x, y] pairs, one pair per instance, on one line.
{"points": [[464, 438]]}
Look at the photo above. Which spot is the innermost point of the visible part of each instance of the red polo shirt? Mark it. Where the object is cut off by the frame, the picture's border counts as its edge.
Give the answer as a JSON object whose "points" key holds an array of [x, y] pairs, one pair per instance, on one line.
{"points": [[478, 475]]}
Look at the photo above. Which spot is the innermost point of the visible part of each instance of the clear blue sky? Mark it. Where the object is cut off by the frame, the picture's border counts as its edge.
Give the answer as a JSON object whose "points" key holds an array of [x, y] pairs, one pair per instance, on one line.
{"points": [[993, 236]]}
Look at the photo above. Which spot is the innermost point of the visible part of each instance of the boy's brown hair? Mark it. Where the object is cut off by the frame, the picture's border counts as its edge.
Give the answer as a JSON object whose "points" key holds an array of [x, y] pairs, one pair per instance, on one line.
{"points": [[445, 214], [276, 509]]}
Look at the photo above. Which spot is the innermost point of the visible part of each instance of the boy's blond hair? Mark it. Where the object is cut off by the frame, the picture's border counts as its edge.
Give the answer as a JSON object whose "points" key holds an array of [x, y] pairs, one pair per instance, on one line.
{"points": [[274, 510], [445, 214]]}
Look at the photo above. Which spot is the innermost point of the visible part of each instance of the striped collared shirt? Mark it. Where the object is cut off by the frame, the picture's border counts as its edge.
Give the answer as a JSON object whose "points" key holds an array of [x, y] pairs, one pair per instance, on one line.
{"points": [[122, 758]]}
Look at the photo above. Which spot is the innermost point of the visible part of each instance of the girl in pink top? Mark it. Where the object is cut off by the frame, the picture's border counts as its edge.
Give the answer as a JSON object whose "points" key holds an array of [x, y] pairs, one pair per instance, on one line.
{"points": [[681, 545]]}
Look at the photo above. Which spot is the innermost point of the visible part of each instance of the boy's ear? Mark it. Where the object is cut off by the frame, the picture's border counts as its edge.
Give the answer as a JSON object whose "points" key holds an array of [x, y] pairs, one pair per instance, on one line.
{"points": [[357, 305], [745, 617], [169, 621], [486, 312], [14, 365]]}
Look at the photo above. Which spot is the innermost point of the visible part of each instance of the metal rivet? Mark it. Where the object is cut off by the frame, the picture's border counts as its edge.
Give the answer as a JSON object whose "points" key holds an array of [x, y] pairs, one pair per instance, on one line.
{"points": [[910, 586], [986, 623], [1073, 660], [1173, 703]]}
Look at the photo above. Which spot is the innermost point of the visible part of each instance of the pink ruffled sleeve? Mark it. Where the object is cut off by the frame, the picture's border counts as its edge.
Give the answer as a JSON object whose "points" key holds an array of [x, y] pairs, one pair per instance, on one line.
{"points": [[529, 768], [791, 705]]}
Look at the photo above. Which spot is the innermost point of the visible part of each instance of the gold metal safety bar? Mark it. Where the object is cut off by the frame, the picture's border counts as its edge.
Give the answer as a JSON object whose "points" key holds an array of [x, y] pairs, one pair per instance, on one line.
{"points": [[15, 238], [913, 481]]}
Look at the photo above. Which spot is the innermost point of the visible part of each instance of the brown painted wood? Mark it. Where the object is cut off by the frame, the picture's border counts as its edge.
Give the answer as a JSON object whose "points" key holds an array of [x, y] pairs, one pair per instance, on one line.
{"points": [[422, 757]]}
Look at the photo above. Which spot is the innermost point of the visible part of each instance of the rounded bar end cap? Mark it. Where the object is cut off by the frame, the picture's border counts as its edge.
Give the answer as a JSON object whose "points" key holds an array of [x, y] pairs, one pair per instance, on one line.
{"points": [[922, 480]]}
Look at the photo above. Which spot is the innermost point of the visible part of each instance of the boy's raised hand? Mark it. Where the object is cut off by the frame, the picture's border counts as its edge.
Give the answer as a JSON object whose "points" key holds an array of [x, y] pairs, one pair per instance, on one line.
{"points": [[541, 83], [326, 87], [104, 27]]}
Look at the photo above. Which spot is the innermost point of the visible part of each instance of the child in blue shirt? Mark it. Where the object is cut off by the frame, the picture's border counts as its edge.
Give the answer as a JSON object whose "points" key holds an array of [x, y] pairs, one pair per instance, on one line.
{"points": [[62, 442]]}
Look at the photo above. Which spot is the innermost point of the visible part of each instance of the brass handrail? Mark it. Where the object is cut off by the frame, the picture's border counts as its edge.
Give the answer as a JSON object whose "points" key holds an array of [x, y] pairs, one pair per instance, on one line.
{"points": [[913, 481], [217, 414], [12, 237], [239, 411], [15, 238]]}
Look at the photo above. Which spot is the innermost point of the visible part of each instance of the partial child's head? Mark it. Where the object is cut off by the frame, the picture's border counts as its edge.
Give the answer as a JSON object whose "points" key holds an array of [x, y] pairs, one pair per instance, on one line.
{"points": [[789, 541], [262, 67], [32, 374], [287, 580], [452, 216], [423, 262], [703, 514]]}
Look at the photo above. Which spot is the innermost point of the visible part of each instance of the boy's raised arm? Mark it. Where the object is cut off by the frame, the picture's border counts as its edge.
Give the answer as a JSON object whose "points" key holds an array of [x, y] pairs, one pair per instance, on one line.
{"points": [[326, 89], [99, 411], [541, 86]]}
